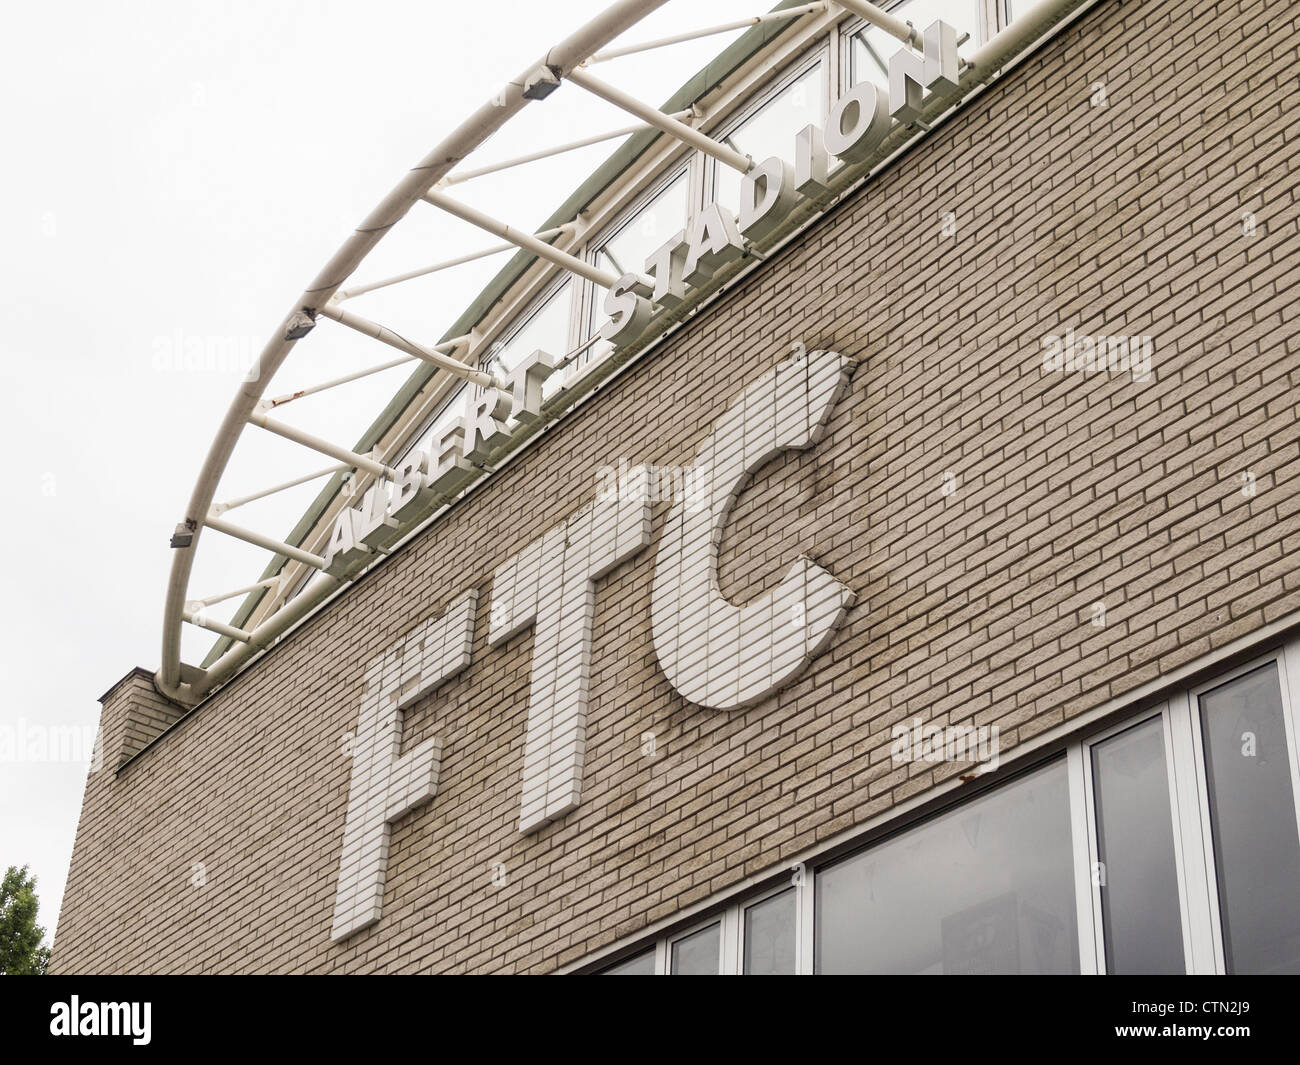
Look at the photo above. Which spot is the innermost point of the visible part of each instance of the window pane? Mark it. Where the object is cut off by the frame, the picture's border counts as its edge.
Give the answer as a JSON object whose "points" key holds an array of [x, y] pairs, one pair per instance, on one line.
{"points": [[769, 936], [697, 954], [548, 329], [985, 888], [772, 129], [642, 964], [644, 233], [647, 230], [451, 411], [870, 48], [1141, 914], [1252, 817]]}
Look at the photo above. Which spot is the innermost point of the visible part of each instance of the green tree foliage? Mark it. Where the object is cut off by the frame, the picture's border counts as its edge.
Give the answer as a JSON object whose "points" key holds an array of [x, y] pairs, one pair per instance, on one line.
{"points": [[21, 953]]}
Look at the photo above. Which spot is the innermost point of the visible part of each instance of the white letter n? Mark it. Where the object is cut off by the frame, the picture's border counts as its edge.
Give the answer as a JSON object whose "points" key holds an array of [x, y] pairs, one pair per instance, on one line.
{"points": [[909, 73]]}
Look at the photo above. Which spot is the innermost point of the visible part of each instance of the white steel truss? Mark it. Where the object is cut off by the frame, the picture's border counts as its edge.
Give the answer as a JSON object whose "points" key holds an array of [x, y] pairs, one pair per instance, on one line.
{"points": [[557, 246]]}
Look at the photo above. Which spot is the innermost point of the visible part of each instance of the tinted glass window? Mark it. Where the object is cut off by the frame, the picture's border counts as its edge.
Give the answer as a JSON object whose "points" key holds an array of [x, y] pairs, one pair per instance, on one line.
{"points": [[642, 964], [698, 953], [1253, 820], [985, 888], [771, 130], [769, 936], [1135, 845]]}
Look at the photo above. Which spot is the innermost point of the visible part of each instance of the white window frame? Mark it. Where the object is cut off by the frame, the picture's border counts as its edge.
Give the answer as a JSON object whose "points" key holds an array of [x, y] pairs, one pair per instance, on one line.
{"points": [[668, 942], [682, 166], [1189, 807], [737, 913], [1287, 660], [989, 19], [731, 922], [522, 320], [1092, 940], [818, 52], [588, 308]]}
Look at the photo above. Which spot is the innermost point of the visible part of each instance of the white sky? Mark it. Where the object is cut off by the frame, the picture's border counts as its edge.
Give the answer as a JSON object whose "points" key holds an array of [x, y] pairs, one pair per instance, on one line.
{"points": [[175, 174]]}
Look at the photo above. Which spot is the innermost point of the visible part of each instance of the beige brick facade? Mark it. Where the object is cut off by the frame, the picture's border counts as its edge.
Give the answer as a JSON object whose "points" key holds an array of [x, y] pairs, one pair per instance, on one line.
{"points": [[1069, 489]]}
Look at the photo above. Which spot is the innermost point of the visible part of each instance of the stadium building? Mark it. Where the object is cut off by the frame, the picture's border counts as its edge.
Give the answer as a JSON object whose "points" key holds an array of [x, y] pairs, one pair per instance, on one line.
{"points": [[856, 532]]}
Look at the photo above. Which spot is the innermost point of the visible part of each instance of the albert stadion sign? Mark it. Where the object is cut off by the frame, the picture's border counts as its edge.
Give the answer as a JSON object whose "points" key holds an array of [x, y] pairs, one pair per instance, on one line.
{"points": [[715, 654]]}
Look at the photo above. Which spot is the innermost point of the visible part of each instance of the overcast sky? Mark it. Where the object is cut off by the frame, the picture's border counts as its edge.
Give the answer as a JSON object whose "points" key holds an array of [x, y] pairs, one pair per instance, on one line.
{"points": [[176, 173]]}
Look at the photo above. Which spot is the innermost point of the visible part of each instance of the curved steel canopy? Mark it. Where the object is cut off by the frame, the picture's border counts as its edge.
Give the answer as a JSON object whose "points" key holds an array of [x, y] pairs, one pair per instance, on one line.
{"points": [[427, 181]]}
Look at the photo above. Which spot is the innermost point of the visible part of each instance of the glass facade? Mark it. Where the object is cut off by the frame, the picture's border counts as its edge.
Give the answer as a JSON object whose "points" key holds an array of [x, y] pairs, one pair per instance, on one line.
{"points": [[771, 129], [985, 888], [763, 126], [1167, 843], [1136, 871], [871, 47], [1253, 818]]}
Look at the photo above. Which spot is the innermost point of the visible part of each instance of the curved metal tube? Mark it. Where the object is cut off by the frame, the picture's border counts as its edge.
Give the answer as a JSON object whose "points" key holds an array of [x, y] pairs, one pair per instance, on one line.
{"points": [[490, 117], [981, 68]]}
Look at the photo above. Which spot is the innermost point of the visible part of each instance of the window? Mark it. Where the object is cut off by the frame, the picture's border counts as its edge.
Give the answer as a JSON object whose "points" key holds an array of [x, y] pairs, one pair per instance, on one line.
{"points": [[757, 936], [629, 242], [1249, 771], [770, 936], [450, 410], [646, 229], [642, 964], [698, 953], [985, 888], [1169, 842], [1136, 870], [546, 326], [870, 48], [634, 239], [772, 127]]}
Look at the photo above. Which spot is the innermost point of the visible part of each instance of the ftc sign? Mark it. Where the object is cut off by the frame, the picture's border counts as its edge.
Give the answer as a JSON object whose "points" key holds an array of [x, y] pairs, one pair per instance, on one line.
{"points": [[716, 654]]}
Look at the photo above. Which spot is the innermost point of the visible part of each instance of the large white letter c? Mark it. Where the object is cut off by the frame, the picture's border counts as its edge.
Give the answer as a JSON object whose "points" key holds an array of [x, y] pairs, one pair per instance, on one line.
{"points": [[718, 655]]}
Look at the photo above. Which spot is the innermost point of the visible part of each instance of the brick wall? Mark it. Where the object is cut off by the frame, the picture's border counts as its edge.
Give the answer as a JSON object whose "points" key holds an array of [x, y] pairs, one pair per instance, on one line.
{"points": [[971, 607]]}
